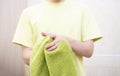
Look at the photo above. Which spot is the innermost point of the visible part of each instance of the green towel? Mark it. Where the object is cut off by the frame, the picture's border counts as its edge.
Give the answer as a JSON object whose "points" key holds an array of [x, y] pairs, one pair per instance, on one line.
{"points": [[60, 62]]}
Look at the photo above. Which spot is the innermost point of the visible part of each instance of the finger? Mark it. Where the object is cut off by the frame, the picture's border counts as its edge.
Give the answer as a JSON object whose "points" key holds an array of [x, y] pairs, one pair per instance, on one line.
{"points": [[53, 36], [52, 43], [53, 47], [44, 34]]}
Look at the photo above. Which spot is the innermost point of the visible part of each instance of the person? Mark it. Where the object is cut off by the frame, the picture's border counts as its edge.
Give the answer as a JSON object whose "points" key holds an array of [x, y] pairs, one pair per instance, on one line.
{"points": [[58, 19]]}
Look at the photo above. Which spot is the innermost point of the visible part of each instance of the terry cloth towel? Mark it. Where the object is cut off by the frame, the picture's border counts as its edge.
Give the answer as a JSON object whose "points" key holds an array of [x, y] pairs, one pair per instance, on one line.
{"points": [[59, 62]]}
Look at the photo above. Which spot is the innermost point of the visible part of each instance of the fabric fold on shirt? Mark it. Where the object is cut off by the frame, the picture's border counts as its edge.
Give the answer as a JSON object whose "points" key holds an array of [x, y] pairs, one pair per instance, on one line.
{"points": [[59, 62]]}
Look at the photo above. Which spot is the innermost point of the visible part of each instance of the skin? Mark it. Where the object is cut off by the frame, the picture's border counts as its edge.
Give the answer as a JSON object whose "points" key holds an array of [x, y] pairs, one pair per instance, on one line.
{"points": [[79, 48], [56, 1]]}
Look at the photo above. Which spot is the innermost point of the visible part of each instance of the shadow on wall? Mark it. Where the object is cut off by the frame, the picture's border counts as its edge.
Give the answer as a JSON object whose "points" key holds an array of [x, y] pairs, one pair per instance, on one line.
{"points": [[103, 65], [10, 55]]}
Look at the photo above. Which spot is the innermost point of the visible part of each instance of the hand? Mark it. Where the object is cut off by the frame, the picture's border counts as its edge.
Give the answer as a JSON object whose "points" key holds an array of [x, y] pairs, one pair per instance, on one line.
{"points": [[54, 44]]}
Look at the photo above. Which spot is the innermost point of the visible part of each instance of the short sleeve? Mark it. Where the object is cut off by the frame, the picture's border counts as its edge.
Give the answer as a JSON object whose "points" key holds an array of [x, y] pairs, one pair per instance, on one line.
{"points": [[23, 34], [89, 27]]}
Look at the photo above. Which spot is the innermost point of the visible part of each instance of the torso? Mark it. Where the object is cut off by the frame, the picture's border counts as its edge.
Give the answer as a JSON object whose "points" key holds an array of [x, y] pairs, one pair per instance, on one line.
{"points": [[63, 20]]}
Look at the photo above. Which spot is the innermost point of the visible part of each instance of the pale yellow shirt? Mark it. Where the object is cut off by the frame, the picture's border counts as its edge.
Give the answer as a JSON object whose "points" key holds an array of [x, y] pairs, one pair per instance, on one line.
{"points": [[65, 18]]}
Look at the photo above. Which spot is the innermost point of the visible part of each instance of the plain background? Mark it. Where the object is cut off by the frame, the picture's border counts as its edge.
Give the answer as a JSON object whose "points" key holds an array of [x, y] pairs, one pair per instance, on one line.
{"points": [[106, 59]]}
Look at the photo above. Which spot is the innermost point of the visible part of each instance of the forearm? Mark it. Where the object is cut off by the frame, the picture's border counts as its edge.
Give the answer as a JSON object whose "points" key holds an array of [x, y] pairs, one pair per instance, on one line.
{"points": [[81, 48], [26, 54]]}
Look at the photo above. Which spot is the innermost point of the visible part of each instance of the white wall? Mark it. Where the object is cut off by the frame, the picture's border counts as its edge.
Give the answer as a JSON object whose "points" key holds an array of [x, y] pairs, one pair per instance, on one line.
{"points": [[10, 55], [33, 2], [103, 65]]}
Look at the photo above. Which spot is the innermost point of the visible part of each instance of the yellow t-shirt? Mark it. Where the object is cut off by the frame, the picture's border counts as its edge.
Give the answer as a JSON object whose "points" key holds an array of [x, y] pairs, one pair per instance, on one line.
{"points": [[65, 18]]}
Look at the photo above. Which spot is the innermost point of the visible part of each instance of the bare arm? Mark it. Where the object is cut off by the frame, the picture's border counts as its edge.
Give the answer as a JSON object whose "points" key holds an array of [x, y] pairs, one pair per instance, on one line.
{"points": [[26, 52], [80, 48], [84, 48]]}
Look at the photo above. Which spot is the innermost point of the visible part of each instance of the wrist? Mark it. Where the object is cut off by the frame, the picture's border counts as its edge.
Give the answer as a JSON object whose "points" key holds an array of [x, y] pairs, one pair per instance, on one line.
{"points": [[70, 41]]}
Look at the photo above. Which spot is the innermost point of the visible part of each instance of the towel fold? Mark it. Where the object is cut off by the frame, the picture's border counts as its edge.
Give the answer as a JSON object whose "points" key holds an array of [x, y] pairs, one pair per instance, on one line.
{"points": [[59, 62]]}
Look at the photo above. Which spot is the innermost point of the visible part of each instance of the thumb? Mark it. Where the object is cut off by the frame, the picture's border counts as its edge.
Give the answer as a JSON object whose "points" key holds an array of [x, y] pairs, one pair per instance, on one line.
{"points": [[44, 34]]}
